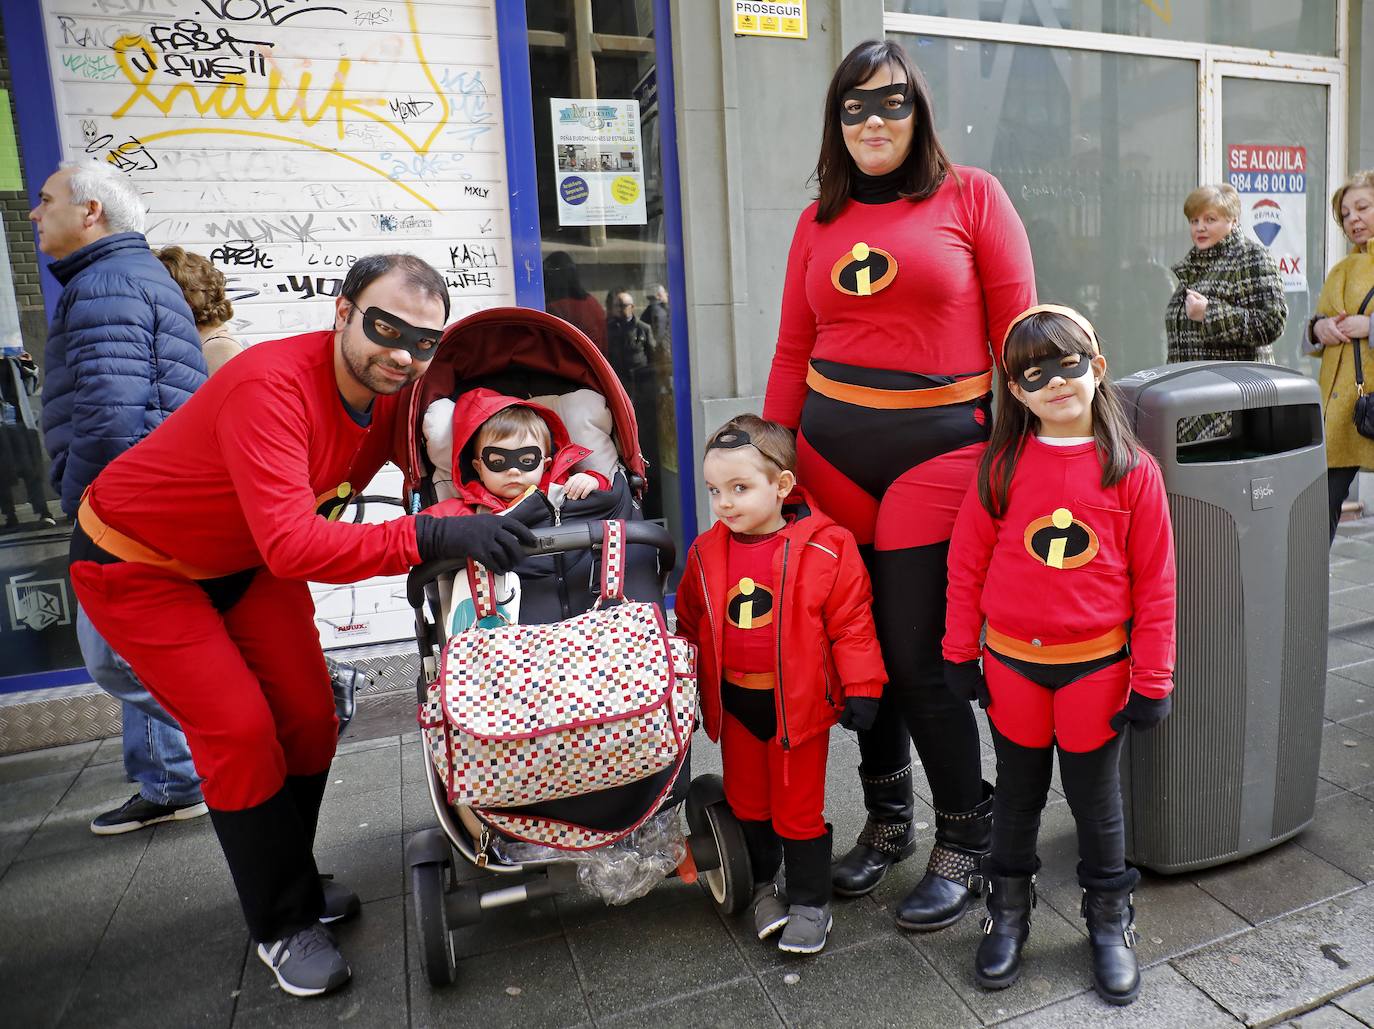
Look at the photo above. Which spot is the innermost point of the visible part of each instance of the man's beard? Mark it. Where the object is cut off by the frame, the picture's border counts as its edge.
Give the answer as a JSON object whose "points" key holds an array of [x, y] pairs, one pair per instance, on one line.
{"points": [[367, 373]]}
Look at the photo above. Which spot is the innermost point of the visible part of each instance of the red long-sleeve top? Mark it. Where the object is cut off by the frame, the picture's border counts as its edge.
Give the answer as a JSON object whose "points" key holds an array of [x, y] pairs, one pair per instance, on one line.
{"points": [[237, 477], [1003, 570], [964, 271]]}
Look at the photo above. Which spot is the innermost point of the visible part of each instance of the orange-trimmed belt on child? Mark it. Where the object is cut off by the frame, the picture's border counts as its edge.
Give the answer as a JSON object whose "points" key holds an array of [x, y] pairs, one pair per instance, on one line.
{"points": [[751, 680], [958, 392], [1057, 653], [126, 548]]}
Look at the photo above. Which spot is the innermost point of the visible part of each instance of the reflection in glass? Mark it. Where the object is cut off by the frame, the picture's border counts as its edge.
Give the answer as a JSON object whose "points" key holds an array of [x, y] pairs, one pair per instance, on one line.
{"points": [[1074, 136], [1306, 28]]}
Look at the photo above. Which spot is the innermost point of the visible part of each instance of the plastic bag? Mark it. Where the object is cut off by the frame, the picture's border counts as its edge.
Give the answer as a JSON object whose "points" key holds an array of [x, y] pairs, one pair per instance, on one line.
{"points": [[622, 872]]}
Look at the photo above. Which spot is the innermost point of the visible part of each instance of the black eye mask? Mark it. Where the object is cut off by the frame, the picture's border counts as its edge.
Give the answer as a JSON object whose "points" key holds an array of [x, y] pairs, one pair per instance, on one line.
{"points": [[499, 459], [386, 330], [874, 101], [1051, 367]]}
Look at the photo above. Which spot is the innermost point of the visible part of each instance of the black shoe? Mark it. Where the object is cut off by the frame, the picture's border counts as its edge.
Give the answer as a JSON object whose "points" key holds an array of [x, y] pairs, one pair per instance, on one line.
{"points": [[306, 963], [1010, 899], [47, 521], [137, 813], [1111, 934], [954, 874], [886, 838], [340, 903]]}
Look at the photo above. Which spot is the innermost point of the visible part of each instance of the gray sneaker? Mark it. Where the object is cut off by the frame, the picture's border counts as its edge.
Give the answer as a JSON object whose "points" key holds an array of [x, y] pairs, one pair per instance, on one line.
{"points": [[769, 910], [306, 963], [807, 928]]}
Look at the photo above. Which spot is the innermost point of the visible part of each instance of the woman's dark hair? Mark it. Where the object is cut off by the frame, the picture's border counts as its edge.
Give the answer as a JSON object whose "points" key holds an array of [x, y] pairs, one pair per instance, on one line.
{"points": [[1037, 337], [562, 278], [201, 283], [925, 166], [419, 276]]}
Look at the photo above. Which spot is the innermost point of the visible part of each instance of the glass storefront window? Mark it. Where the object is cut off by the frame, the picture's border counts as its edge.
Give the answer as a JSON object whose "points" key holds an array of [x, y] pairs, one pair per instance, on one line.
{"points": [[1303, 28], [1074, 136], [601, 207]]}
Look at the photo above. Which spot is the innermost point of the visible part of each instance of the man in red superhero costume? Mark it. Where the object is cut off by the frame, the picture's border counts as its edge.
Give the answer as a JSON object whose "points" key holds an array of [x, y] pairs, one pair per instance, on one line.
{"points": [[191, 555]]}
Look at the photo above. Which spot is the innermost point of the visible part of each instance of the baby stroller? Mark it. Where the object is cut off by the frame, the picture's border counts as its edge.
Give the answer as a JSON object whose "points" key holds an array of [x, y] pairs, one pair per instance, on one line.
{"points": [[534, 355]]}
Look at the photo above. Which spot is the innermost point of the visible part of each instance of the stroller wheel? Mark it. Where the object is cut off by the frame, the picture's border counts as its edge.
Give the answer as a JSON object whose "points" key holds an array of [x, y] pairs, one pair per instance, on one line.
{"points": [[731, 882], [431, 915]]}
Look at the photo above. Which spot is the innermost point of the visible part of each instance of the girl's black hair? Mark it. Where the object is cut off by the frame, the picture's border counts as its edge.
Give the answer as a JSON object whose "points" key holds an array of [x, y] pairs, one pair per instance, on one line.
{"points": [[925, 166], [1032, 340]]}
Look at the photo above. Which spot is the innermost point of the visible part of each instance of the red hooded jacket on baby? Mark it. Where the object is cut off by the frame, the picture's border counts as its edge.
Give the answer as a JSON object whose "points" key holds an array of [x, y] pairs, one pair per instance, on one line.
{"points": [[472, 411]]}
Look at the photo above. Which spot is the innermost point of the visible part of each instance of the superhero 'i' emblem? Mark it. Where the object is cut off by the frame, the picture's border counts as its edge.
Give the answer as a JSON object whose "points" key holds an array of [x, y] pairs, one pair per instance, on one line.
{"points": [[749, 605], [863, 271], [1060, 540], [331, 504]]}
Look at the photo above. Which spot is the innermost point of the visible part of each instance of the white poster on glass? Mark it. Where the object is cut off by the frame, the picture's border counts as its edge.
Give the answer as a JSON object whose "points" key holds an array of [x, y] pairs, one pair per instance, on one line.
{"points": [[1272, 183], [598, 162]]}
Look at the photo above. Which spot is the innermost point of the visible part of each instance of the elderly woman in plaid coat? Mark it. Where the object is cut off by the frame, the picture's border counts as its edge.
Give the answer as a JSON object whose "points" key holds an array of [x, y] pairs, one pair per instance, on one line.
{"points": [[1229, 304]]}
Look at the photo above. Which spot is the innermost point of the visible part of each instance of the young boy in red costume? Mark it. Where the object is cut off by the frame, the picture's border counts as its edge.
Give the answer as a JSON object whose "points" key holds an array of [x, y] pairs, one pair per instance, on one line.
{"points": [[778, 602]]}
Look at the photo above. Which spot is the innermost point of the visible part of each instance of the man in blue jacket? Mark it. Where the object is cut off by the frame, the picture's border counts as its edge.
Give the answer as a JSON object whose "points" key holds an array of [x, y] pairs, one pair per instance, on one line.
{"points": [[122, 354]]}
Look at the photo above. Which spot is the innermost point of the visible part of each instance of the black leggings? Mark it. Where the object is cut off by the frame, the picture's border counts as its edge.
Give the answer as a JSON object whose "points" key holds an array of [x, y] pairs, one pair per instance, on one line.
{"points": [[909, 614], [1338, 481], [1092, 783]]}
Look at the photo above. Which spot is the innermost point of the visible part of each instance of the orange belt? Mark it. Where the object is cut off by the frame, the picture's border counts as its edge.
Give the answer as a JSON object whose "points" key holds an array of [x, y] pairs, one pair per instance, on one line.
{"points": [[752, 680], [1057, 653], [114, 542], [958, 392]]}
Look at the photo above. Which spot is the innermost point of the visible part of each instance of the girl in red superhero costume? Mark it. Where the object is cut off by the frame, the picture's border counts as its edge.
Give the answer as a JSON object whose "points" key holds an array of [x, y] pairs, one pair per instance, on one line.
{"points": [[897, 279], [1064, 549], [777, 601]]}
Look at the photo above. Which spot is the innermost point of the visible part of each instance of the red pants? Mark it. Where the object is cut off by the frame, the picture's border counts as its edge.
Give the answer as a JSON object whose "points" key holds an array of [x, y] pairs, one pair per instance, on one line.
{"points": [[1077, 715], [764, 783], [249, 687]]}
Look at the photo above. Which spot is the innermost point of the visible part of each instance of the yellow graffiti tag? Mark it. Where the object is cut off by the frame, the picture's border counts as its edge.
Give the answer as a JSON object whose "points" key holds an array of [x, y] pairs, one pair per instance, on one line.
{"points": [[171, 133], [230, 97], [1166, 13]]}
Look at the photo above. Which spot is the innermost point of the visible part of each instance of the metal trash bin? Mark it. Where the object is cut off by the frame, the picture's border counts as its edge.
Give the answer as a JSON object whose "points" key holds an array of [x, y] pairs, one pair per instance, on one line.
{"points": [[1233, 771]]}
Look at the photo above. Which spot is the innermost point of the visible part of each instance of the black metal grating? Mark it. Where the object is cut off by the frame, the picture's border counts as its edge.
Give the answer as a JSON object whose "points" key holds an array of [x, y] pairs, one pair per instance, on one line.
{"points": [[1186, 775], [1302, 690]]}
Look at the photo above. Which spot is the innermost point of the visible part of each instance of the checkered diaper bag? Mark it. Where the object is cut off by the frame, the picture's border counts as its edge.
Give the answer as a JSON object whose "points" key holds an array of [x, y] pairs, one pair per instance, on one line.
{"points": [[522, 714]]}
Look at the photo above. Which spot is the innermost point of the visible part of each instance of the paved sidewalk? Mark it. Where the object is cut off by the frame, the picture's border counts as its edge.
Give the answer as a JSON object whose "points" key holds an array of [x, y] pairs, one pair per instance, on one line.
{"points": [[143, 929]]}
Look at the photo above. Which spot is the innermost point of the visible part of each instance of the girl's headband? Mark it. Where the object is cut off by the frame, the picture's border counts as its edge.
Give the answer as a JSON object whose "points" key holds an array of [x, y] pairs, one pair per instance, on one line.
{"points": [[1067, 312]]}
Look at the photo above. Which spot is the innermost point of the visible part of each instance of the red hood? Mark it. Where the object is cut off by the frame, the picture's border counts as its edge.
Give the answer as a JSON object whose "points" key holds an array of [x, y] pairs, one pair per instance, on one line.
{"points": [[476, 406]]}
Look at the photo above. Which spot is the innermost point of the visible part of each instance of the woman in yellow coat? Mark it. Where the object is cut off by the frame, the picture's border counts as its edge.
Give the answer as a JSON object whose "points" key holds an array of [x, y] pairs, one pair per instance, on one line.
{"points": [[1342, 322]]}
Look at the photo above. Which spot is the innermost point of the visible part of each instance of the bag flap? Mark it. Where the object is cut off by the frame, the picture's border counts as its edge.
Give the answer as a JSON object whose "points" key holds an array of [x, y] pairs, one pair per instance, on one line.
{"points": [[523, 681]]}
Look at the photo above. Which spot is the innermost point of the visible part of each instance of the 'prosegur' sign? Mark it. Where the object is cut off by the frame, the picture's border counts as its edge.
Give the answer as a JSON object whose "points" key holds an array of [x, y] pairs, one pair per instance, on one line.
{"points": [[762, 18], [1272, 183]]}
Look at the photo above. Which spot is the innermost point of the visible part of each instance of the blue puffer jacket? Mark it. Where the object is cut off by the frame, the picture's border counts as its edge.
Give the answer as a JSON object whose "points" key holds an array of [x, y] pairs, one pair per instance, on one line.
{"points": [[122, 354]]}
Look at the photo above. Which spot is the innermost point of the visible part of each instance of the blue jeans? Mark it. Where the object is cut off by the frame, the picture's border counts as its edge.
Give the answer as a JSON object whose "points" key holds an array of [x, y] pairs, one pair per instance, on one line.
{"points": [[155, 752]]}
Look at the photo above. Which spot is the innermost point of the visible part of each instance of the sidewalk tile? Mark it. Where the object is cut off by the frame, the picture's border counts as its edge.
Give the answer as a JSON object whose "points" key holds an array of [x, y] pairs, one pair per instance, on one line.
{"points": [[346, 818], [1359, 1003], [374, 945], [669, 956], [1166, 999], [1347, 756], [1247, 887], [363, 771], [97, 789], [71, 758], [1325, 1017], [533, 985], [1293, 963], [372, 868], [28, 801], [1341, 653], [109, 749], [1346, 698], [1342, 832], [1361, 672], [1340, 614], [742, 1003], [882, 983]]}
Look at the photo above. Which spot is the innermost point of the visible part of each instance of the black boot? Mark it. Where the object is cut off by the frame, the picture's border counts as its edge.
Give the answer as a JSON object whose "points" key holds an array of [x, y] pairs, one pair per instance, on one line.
{"points": [[765, 850], [954, 874], [273, 868], [1111, 933], [886, 838], [1010, 900]]}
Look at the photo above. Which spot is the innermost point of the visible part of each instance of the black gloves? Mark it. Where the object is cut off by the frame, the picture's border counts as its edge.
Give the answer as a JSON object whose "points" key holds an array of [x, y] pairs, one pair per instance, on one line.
{"points": [[859, 713], [1142, 712], [965, 680], [488, 539]]}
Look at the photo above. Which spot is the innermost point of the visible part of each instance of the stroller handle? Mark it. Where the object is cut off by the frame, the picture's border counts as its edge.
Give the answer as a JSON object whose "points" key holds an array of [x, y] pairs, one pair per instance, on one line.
{"points": [[556, 540]]}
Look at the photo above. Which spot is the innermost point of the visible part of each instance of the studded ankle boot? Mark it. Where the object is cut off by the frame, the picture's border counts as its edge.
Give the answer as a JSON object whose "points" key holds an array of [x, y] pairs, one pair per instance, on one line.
{"points": [[886, 838], [954, 874]]}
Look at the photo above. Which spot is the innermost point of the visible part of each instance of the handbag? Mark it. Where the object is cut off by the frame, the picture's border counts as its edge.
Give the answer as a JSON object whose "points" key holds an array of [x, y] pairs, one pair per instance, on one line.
{"points": [[1364, 405], [526, 714]]}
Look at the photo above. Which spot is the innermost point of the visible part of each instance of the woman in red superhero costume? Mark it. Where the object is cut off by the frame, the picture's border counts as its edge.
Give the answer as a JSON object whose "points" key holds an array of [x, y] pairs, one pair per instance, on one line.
{"points": [[898, 277], [1070, 512]]}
